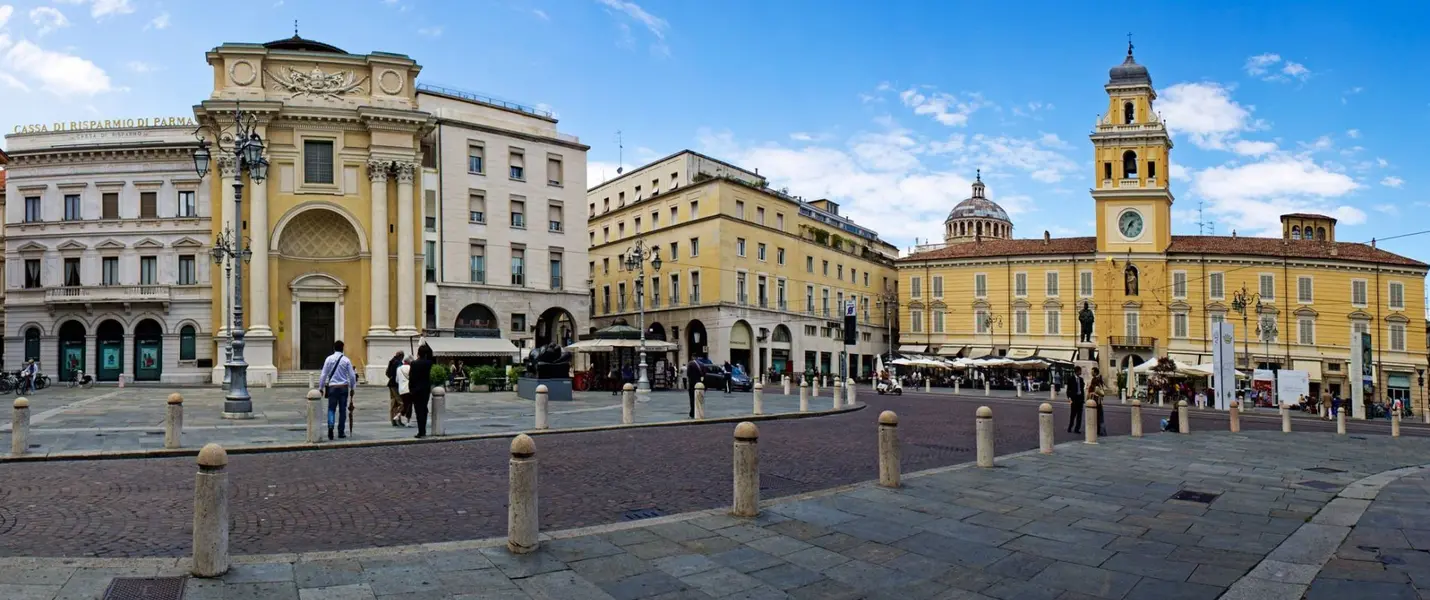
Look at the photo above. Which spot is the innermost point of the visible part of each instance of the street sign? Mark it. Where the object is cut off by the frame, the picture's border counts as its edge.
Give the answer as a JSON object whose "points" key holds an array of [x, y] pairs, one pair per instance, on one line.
{"points": [[851, 331]]}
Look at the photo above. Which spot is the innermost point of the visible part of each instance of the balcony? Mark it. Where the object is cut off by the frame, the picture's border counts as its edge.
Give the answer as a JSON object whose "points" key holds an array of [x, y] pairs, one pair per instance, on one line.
{"points": [[1131, 341], [104, 294], [744, 299], [655, 301], [479, 276], [555, 282], [764, 302]]}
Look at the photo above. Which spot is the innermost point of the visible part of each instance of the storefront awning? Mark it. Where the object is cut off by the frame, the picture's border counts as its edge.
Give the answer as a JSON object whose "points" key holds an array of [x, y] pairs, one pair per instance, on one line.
{"points": [[913, 349], [951, 350], [487, 346], [1187, 359], [1313, 367], [978, 352], [1021, 353]]}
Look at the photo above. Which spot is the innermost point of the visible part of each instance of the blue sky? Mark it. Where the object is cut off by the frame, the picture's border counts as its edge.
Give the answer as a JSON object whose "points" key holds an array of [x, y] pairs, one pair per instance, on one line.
{"points": [[887, 107]]}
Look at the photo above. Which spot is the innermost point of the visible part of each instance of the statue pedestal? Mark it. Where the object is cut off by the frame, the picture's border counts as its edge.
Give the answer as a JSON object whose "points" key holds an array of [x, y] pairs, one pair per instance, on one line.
{"points": [[558, 389]]}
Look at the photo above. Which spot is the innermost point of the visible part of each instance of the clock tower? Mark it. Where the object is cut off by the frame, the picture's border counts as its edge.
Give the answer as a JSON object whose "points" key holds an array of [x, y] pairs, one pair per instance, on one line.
{"points": [[1132, 149]]}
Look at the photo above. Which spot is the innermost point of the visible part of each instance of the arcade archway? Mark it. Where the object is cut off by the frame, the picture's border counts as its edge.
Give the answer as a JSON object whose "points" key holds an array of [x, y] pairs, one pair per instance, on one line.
{"points": [[476, 320], [148, 351], [742, 344], [109, 342], [696, 340], [71, 349], [555, 325]]}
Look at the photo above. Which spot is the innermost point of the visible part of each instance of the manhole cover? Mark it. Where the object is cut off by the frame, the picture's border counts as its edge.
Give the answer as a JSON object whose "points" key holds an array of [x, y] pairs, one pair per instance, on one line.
{"points": [[642, 513], [1325, 470], [1191, 496], [145, 588], [1321, 485]]}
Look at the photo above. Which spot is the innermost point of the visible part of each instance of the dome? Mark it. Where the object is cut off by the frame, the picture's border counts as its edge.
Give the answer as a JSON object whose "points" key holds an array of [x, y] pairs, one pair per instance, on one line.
{"points": [[302, 45], [1129, 72], [977, 218], [978, 206]]}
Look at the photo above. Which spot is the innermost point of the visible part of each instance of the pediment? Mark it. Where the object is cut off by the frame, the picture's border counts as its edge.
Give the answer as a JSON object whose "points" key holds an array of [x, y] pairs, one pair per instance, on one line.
{"points": [[72, 245], [980, 305], [1360, 315], [1397, 318], [188, 242], [1020, 303], [109, 245], [1131, 304], [32, 247], [1052, 303], [916, 304], [1216, 307], [1268, 309], [936, 304], [148, 243], [1306, 311], [1179, 306]]}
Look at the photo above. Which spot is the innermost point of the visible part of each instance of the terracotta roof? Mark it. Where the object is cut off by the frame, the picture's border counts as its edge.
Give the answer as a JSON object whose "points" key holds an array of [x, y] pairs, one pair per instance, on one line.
{"points": [[1308, 216], [1181, 244]]}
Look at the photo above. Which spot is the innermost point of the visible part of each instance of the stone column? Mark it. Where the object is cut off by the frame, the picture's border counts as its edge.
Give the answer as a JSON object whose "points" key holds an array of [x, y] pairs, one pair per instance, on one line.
{"points": [[256, 312], [377, 249], [211, 513], [983, 434], [1045, 428], [174, 422], [1136, 418], [747, 470], [521, 515], [227, 166], [406, 242], [889, 449], [20, 427]]}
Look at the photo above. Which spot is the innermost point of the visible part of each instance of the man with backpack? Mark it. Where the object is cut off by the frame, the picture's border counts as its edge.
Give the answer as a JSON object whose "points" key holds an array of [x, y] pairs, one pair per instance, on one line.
{"points": [[336, 384]]}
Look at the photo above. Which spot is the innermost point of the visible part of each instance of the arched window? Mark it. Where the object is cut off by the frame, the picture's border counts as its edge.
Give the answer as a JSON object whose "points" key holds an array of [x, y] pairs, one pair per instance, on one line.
{"points": [[978, 228], [187, 343], [1295, 232], [1321, 234], [32, 343], [1128, 113], [1129, 165]]}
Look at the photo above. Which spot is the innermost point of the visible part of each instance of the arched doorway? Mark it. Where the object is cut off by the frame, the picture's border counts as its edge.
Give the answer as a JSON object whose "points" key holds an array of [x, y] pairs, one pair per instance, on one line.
{"points": [[317, 305], [555, 324], [696, 340], [32, 344], [109, 342], [781, 344], [655, 331], [148, 350], [742, 344], [71, 349], [315, 235], [476, 320]]}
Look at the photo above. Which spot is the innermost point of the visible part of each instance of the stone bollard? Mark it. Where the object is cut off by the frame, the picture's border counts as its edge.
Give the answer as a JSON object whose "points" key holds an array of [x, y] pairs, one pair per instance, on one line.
{"points": [[1018, 390], [985, 387], [1285, 419], [849, 392], [1136, 418], [889, 449], [803, 396], [521, 512], [1045, 428], [957, 386], [983, 432], [838, 391], [1341, 421], [1161, 399], [759, 395], [1089, 422], [747, 470], [20, 427], [439, 409], [628, 404], [121, 381], [211, 513], [1395, 423], [312, 381], [700, 400], [543, 395], [928, 386], [814, 388], [174, 422], [1184, 425], [1122, 395], [1235, 412], [786, 378], [315, 411], [1052, 392]]}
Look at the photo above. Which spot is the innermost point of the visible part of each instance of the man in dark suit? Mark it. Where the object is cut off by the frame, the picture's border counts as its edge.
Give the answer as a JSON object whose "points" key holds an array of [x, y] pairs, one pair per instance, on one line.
{"points": [[1077, 395], [693, 375]]}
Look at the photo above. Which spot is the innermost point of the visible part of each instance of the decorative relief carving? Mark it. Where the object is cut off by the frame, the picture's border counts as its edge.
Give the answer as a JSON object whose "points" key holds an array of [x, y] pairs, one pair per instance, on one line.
{"points": [[329, 86], [405, 171], [391, 82], [377, 170], [227, 165], [242, 73], [319, 234]]}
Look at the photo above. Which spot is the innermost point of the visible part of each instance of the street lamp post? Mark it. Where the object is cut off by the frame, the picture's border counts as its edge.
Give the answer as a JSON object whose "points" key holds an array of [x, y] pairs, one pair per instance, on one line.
{"points": [[1268, 331], [229, 247], [888, 301], [636, 258], [1241, 300]]}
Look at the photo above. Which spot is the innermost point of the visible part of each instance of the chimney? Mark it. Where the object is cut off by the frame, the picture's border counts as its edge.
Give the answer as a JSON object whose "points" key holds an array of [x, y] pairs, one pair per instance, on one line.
{"points": [[1046, 237]]}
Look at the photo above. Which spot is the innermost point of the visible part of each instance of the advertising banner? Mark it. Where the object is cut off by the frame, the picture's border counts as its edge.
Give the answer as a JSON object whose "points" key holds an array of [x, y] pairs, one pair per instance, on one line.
{"points": [[1224, 364], [1292, 386]]}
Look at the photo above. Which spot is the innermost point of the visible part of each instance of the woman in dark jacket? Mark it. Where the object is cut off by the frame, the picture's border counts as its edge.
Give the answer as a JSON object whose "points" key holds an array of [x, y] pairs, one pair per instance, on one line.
{"points": [[420, 384]]}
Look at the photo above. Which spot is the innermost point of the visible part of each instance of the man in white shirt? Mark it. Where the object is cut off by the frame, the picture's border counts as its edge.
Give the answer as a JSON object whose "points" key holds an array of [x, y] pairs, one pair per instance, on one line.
{"points": [[336, 384]]}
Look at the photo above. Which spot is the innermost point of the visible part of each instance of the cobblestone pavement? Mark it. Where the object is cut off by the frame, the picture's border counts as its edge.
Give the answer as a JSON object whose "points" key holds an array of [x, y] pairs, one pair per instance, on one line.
{"points": [[386, 496], [1086, 522]]}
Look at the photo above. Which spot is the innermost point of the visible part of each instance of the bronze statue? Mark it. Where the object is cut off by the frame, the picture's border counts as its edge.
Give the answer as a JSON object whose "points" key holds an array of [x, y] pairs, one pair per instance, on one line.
{"points": [[549, 362], [1085, 317]]}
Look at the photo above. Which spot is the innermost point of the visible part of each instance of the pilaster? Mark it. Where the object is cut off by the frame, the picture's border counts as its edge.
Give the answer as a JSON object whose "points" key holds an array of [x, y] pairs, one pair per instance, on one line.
{"points": [[406, 234], [379, 323]]}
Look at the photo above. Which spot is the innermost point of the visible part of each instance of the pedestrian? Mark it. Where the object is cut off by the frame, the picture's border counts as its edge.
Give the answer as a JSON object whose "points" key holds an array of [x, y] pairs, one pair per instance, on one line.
{"points": [[403, 378], [1335, 407], [729, 372], [693, 375], [394, 399], [1096, 389], [615, 378], [1076, 397], [419, 386], [336, 384]]}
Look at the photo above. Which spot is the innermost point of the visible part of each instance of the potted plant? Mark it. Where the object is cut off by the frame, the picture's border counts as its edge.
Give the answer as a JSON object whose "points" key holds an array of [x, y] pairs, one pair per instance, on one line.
{"points": [[514, 375], [482, 376]]}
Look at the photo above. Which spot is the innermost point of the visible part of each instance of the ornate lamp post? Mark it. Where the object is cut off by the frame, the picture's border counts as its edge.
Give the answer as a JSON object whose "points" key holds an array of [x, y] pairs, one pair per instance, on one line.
{"points": [[229, 248], [1241, 300], [636, 259], [889, 302]]}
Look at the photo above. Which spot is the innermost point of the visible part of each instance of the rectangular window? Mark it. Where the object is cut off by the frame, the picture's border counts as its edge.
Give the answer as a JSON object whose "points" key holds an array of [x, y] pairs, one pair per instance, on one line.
{"points": [[518, 266], [1397, 337], [1397, 295], [109, 208], [1303, 290], [638, 194], [188, 275], [760, 215], [518, 321], [780, 221], [148, 270], [32, 273], [980, 285], [188, 206], [695, 287], [826, 267], [694, 209], [866, 279], [1130, 323], [824, 301], [1020, 284], [916, 321], [477, 207], [606, 299], [739, 209], [937, 321], [780, 256], [517, 163], [762, 292], [809, 299], [1052, 281], [1268, 287], [429, 261], [554, 218], [780, 295], [937, 286], [1020, 322], [916, 287], [32, 209], [1358, 292], [148, 205], [518, 214], [476, 159], [1179, 284], [554, 263], [674, 289], [72, 272], [318, 161], [1054, 325], [674, 215], [694, 247], [809, 264], [1151, 169], [1308, 331], [72, 212], [674, 251], [477, 263], [740, 247], [839, 272], [109, 266], [1085, 284], [760, 251], [620, 230], [554, 173], [1107, 170], [741, 295], [1359, 327], [1179, 325], [1217, 283], [655, 291], [980, 321], [1269, 331]]}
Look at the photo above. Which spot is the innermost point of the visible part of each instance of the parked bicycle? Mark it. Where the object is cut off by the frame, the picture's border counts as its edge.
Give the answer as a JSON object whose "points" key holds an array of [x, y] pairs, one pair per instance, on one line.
{"points": [[81, 380]]}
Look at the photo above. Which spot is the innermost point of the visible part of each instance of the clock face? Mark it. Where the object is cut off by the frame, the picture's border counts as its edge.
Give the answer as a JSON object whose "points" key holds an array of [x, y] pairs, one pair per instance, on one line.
{"points": [[1130, 224]]}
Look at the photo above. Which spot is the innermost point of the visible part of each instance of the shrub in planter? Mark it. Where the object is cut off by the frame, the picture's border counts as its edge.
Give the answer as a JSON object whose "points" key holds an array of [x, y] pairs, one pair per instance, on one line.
{"points": [[439, 375], [481, 377]]}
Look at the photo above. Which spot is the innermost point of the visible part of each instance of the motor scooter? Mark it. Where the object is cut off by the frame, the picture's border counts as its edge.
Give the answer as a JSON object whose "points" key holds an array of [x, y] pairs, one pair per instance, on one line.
{"points": [[889, 386]]}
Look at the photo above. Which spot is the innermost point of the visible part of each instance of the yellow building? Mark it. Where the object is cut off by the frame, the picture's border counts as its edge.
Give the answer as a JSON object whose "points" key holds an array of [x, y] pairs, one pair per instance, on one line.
{"points": [[1152, 293], [749, 274], [333, 227]]}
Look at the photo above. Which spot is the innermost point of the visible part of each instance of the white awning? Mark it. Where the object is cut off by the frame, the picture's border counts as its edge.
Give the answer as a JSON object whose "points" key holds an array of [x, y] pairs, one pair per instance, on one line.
{"points": [[978, 352], [1311, 367], [1020, 353], [454, 346], [599, 345], [950, 349], [1189, 359], [913, 349]]}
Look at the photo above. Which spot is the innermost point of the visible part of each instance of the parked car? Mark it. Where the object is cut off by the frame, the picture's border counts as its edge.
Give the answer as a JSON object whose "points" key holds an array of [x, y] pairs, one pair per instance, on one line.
{"points": [[714, 378]]}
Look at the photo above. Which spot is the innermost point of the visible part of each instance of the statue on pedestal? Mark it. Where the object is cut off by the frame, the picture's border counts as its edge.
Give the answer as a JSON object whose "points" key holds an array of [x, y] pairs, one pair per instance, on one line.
{"points": [[1084, 318], [551, 361]]}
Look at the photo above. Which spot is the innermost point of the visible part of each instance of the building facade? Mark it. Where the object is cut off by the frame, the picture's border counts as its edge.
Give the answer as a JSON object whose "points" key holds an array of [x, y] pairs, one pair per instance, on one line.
{"points": [[749, 274], [1152, 293], [505, 199], [106, 244]]}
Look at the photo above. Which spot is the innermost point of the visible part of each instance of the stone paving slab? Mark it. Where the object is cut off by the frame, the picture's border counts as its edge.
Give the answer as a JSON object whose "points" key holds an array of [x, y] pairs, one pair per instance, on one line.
{"points": [[1071, 525]]}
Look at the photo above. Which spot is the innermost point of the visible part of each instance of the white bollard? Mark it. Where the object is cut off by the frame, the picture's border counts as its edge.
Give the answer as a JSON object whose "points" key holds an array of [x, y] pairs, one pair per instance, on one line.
{"points": [[838, 390], [759, 395], [803, 396], [1018, 390], [1161, 400], [439, 411], [1234, 413], [1089, 421], [20, 427], [1136, 418], [786, 378], [121, 381], [983, 432], [1341, 421], [1395, 423], [850, 391], [542, 396], [628, 404], [928, 386], [315, 409], [1045, 428], [312, 381], [1052, 392], [957, 386], [985, 387], [522, 511], [814, 388], [747, 470], [1184, 424], [211, 513], [174, 421], [1285, 419], [700, 400], [889, 449], [1122, 395]]}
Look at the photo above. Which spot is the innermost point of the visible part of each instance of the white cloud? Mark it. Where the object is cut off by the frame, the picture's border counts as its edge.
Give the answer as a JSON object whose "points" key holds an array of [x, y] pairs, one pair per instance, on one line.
{"points": [[1254, 195], [1389, 209], [159, 22], [1032, 110], [1259, 64], [56, 72], [5, 11], [540, 14], [1296, 70], [11, 81], [100, 9], [1392, 181], [1180, 173], [1345, 96], [139, 66], [47, 19], [431, 32], [654, 24], [1206, 113], [945, 108], [1353, 133], [1381, 162], [1252, 148], [1321, 143], [1052, 140]]}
